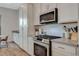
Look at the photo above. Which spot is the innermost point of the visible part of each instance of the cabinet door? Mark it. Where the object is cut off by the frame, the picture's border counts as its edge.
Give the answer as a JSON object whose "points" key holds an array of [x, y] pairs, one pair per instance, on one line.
{"points": [[44, 7], [30, 19], [47, 7], [30, 45], [16, 38], [20, 27], [67, 12], [25, 18], [25, 28], [62, 49], [51, 6], [78, 32], [36, 14]]}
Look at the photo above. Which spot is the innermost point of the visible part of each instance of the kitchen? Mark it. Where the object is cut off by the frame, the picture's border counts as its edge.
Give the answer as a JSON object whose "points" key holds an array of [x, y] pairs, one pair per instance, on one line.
{"points": [[49, 29]]}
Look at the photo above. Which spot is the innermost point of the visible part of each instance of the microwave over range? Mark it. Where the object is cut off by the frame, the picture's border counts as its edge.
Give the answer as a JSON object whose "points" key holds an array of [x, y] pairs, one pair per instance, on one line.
{"points": [[50, 17]]}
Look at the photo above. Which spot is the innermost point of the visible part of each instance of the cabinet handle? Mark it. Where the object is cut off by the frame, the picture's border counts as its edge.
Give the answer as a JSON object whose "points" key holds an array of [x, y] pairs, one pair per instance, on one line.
{"points": [[61, 47]]}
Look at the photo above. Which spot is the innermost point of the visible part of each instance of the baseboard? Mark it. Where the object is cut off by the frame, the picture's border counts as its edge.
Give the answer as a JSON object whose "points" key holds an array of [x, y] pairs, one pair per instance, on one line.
{"points": [[21, 48]]}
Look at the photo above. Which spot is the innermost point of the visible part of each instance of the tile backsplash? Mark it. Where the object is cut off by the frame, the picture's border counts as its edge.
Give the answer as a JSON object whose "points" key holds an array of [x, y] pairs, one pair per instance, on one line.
{"points": [[55, 29]]}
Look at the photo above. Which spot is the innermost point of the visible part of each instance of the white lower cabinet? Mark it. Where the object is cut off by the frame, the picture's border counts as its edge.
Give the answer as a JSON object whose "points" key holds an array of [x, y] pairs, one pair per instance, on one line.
{"points": [[16, 37], [30, 45], [77, 51], [59, 49]]}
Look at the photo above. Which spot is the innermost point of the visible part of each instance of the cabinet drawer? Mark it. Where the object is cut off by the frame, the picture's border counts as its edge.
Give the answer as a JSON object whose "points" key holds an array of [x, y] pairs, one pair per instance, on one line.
{"points": [[63, 48], [61, 53], [57, 54]]}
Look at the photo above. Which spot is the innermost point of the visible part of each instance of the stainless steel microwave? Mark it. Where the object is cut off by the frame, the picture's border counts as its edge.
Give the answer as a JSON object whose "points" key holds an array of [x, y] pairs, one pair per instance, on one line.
{"points": [[50, 17]]}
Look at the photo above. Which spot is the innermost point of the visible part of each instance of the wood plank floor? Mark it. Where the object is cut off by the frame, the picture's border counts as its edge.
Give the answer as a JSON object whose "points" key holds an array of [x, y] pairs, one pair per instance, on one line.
{"points": [[12, 50]]}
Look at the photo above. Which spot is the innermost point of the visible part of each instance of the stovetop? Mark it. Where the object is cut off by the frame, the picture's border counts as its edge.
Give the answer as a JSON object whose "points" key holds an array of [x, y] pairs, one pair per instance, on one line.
{"points": [[40, 37]]}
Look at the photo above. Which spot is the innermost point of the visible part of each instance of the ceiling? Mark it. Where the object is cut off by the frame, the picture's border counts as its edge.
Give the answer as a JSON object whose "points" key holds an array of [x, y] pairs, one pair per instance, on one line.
{"points": [[11, 5]]}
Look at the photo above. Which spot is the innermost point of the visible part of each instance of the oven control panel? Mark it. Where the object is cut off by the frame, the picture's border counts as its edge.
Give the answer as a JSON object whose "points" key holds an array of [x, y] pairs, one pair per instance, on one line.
{"points": [[45, 41]]}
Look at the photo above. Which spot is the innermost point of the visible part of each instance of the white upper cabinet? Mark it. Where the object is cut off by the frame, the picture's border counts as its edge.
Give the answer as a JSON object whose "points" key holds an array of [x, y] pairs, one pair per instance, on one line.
{"points": [[36, 14], [51, 6], [67, 12], [47, 7], [44, 8], [30, 20]]}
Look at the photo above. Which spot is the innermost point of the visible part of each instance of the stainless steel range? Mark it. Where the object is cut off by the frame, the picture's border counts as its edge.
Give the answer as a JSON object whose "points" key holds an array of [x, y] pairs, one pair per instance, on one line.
{"points": [[42, 45], [40, 48]]}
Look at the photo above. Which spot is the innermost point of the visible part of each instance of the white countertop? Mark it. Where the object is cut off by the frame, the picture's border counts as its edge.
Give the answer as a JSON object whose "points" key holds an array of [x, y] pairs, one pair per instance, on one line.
{"points": [[65, 41]]}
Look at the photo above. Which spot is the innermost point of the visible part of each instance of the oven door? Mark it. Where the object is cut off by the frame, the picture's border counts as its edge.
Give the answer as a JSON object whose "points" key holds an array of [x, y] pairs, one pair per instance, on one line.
{"points": [[41, 49]]}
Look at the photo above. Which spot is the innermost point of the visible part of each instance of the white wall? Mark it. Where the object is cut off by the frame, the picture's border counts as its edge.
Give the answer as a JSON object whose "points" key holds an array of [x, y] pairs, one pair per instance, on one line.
{"points": [[53, 29], [9, 21], [56, 29]]}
